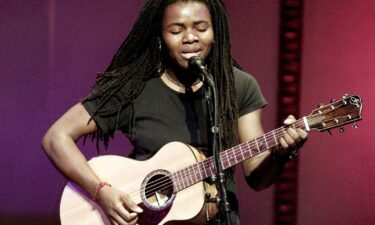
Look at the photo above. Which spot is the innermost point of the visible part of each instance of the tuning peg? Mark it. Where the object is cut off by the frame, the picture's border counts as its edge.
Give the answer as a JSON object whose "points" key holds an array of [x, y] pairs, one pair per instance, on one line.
{"points": [[345, 96], [321, 105], [355, 125], [333, 100], [329, 132], [341, 129]]}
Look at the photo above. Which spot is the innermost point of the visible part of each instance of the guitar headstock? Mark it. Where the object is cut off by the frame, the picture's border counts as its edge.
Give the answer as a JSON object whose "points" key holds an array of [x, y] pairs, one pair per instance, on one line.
{"points": [[338, 113]]}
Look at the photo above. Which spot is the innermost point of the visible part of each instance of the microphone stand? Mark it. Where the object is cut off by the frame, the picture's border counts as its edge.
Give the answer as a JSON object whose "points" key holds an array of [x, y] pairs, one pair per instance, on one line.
{"points": [[220, 181]]}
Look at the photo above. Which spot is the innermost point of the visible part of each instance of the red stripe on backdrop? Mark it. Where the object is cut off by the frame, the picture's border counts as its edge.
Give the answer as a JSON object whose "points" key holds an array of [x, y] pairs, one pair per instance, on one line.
{"points": [[286, 192]]}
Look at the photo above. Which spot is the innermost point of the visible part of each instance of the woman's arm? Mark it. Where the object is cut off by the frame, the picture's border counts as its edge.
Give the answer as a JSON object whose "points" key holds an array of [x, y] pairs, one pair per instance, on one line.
{"points": [[263, 170], [59, 145]]}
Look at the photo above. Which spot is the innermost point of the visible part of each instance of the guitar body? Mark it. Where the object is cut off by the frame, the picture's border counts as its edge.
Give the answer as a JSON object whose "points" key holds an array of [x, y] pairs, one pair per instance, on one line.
{"points": [[169, 186], [137, 178]]}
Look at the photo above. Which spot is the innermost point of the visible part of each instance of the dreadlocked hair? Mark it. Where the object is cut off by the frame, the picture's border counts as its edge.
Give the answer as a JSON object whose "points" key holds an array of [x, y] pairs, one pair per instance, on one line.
{"points": [[139, 59], [220, 64], [136, 61]]}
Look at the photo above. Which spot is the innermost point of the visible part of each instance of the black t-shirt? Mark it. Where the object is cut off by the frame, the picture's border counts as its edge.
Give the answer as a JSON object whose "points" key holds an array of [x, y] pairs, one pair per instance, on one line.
{"points": [[162, 115]]}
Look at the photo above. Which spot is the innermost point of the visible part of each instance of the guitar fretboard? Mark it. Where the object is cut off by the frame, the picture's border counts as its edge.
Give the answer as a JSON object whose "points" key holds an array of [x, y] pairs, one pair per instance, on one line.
{"points": [[201, 170]]}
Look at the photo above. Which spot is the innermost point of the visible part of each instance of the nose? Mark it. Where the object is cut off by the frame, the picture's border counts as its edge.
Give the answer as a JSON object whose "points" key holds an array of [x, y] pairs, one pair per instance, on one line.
{"points": [[190, 37]]}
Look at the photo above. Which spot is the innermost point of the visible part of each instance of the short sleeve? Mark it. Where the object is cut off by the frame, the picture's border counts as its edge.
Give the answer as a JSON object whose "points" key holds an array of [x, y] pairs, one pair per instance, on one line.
{"points": [[249, 95], [106, 124]]}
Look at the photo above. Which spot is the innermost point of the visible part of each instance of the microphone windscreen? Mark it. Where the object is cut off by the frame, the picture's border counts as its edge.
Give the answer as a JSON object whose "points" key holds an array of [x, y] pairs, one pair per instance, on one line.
{"points": [[195, 62]]}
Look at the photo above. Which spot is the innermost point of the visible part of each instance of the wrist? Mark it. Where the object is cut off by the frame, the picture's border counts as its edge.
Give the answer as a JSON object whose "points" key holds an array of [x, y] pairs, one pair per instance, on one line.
{"points": [[283, 158], [99, 186]]}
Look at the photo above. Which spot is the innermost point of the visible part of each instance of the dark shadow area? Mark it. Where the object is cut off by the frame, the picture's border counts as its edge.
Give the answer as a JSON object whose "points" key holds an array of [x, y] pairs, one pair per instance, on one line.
{"points": [[28, 219]]}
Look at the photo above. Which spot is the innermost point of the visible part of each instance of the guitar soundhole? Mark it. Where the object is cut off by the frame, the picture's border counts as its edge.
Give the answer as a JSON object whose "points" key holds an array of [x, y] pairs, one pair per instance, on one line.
{"points": [[157, 190]]}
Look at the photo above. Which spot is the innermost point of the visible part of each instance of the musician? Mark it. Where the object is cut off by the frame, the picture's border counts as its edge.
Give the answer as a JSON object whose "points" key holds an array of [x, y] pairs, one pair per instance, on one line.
{"points": [[149, 93]]}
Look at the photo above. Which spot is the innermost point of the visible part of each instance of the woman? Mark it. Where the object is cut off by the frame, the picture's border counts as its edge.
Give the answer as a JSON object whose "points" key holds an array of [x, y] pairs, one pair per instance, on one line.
{"points": [[148, 87]]}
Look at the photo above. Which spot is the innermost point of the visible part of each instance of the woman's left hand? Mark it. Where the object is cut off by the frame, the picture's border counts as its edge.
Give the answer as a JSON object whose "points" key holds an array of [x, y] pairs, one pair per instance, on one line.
{"points": [[292, 140]]}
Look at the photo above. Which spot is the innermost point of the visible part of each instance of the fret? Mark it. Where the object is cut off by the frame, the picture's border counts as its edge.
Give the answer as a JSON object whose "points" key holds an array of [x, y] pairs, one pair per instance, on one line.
{"points": [[232, 157], [204, 169], [199, 172], [176, 183], [265, 140], [274, 137], [210, 164], [185, 178], [182, 181], [237, 157], [203, 165], [256, 142], [208, 167], [249, 148], [260, 144], [195, 175], [242, 155], [227, 160], [189, 178], [255, 150], [225, 163], [212, 167], [192, 175]]}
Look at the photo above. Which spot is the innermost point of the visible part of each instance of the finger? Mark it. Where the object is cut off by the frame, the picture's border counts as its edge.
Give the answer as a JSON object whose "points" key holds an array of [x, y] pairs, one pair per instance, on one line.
{"points": [[117, 220], [283, 143], [113, 222], [131, 205], [303, 137], [124, 214], [290, 120], [302, 133], [126, 222], [284, 150], [295, 136], [289, 137]]}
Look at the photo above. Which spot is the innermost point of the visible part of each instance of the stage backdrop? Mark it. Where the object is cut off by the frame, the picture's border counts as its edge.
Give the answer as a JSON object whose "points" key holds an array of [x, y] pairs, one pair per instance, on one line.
{"points": [[51, 50]]}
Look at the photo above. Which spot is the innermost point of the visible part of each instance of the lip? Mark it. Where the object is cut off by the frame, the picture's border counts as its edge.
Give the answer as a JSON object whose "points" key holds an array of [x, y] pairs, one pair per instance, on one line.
{"points": [[188, 54]]}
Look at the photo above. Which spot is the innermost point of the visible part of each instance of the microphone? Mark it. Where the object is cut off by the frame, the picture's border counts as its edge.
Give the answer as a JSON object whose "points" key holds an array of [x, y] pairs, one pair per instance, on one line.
{"points": [[196, 64]]}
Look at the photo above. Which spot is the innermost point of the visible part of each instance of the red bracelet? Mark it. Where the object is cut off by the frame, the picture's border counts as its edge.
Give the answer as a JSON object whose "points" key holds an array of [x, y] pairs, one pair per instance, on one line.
{"points": [[100, 185]]}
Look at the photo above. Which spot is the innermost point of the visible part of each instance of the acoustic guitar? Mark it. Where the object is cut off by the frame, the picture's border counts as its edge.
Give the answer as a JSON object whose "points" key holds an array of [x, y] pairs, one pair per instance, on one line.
{"points": [[171, 187]]}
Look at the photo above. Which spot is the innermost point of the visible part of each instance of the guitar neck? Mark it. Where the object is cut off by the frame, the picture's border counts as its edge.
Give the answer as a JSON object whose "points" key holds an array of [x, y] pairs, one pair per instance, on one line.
{"points": [[324, 118], [230, 157], [254, 147]]}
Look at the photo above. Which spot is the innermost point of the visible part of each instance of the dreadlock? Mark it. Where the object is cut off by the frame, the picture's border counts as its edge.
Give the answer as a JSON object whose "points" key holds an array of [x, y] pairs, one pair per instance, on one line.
{"points": [[139, 59]]}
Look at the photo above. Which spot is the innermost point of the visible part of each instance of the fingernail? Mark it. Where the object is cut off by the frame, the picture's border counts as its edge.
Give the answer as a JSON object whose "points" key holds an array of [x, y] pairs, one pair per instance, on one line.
{"points": [[287, 121]]}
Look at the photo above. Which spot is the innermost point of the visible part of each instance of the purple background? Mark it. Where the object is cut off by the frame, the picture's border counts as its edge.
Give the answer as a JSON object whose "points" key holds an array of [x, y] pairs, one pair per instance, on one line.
{"points": [[51, 50]]}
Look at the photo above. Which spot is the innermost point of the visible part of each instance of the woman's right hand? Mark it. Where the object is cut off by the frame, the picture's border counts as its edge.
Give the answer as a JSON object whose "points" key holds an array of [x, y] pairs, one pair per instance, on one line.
{"points": [[118, 206]]}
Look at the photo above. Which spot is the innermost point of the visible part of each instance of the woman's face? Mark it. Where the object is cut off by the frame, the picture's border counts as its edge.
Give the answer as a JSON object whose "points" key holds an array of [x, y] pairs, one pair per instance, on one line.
{"points": [[187, 31]]}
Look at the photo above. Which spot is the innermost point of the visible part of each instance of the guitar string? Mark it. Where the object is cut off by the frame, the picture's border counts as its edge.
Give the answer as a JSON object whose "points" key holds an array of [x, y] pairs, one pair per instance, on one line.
{"points": [[225, 159], [188, 171], [266, 137]]}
